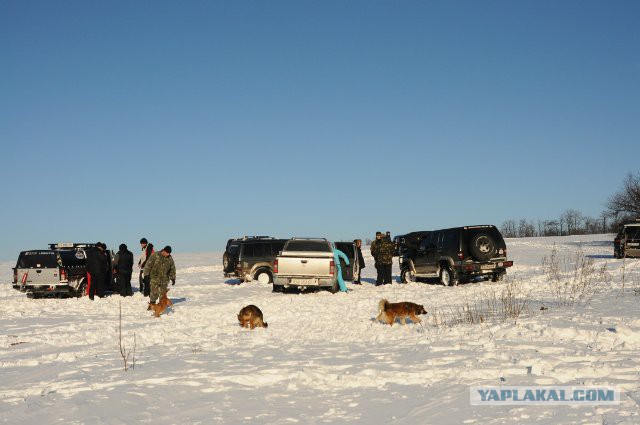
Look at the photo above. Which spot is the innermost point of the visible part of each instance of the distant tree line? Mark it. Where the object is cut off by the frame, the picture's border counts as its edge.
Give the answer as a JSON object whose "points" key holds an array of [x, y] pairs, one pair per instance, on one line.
{"points": [[623, 207]]}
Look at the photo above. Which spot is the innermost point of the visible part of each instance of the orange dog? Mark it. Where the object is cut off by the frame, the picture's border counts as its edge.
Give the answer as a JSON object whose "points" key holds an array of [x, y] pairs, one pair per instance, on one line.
{"points": [[161, 306], [251, 316], [389, 312]]}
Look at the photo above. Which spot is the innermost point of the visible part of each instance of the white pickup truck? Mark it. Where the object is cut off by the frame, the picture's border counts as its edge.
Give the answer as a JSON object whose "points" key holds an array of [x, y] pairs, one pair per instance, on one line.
{"points": [[305, 262]]}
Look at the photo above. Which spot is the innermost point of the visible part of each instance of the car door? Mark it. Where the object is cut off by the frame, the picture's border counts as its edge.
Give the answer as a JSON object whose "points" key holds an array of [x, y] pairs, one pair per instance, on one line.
{"points": [[421, 257], [349, 249], [432, 252]]}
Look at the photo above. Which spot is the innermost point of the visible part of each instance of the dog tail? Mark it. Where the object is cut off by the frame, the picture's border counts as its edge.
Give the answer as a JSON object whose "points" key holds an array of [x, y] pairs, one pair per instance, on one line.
{"points": [[382, 305]]}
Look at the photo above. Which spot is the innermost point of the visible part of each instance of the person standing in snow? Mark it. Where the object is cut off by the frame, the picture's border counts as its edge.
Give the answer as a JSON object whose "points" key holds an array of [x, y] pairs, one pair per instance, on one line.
{"points": [[375, 248], [358, 242], [385, 259], [98, 269], [337, 255], [160, 269], [123, 269], [147, 250]]}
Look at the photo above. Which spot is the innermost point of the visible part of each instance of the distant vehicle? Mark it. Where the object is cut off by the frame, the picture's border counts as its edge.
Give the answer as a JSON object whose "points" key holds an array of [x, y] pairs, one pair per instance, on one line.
{"points": [[251, 258], [627, 241], [459, 254], [309, 262], [59, 270]]}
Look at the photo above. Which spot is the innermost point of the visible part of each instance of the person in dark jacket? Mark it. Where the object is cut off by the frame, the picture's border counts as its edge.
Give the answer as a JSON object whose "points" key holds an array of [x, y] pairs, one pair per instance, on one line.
{"points": [[375, 248], [356, 279], [145, 282], [98, 270], [122, 269]]}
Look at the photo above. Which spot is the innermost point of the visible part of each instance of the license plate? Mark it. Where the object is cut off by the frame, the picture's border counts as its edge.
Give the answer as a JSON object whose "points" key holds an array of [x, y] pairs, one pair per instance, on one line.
{"points": [[486, 267], [633, 244], [303, 281]]}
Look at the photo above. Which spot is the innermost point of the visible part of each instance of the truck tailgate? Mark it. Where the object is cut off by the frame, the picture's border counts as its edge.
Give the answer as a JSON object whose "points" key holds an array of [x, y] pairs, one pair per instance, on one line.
{"points": [[305, 266]]}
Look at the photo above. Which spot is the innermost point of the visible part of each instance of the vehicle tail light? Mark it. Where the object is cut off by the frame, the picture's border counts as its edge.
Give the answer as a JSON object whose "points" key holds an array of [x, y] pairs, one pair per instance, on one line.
{"points": [[461, 255], [275, 266], [507, 263], [469, 267], [616, 240], [24, 278], [332, 268], [63, 275]]}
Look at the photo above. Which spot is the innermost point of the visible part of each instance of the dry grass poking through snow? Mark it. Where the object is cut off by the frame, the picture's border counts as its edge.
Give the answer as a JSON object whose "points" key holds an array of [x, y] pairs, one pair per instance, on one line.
{"points": [[492, 305], [574, 278]]}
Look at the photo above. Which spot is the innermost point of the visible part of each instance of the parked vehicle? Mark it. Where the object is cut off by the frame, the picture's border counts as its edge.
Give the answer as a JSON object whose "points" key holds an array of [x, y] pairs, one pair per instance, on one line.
{"points": [[307, 262], [628, 241], [59, 270], [459, 254], [251, 258]]}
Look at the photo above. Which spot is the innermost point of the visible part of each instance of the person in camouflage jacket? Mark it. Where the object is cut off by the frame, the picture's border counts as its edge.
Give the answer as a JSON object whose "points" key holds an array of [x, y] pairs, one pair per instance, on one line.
{"points": [[161, 269], [382, 251]]}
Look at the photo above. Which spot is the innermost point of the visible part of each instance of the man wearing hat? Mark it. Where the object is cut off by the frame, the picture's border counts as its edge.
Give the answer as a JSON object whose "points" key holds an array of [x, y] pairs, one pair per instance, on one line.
{"points": [[122, 269], [147, 250], [375, 252], [161, 269]]}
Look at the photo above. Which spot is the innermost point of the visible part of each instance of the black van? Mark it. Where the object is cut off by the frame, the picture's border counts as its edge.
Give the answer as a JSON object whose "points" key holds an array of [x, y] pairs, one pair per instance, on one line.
{"points": [[459, 254]]}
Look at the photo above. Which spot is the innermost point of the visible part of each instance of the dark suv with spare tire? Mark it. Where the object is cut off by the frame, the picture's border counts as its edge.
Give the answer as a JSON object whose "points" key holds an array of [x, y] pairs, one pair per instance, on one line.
{"points": [[251, 258], [459, 254]]}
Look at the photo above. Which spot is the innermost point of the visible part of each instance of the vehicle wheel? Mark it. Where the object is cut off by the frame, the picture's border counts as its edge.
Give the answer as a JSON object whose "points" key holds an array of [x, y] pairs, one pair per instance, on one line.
{"points": [[278, 288], [263, 276], [406, 276], [482, 247], [335, 287], [447, 277], [497, 277], [82, 289]]}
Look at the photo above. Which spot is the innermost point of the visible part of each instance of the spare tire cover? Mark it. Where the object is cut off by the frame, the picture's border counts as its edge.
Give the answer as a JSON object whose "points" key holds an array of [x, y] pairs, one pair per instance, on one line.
{"points": [[482, 247]]}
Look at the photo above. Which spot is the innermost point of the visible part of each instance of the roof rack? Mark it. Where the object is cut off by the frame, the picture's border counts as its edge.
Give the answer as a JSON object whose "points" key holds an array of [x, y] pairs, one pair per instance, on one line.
{"points": [[61, 245], [244, 238]]}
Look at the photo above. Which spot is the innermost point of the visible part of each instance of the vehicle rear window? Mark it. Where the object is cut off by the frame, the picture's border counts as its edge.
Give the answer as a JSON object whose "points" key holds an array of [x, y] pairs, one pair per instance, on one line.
{"points": [[633, 232], [311, 246], [233, 249], [37, 259]]}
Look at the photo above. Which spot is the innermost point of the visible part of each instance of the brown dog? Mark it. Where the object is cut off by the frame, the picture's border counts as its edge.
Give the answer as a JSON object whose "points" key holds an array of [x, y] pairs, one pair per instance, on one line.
{"points": [[161, 306], [389, 312], [251, 316]]}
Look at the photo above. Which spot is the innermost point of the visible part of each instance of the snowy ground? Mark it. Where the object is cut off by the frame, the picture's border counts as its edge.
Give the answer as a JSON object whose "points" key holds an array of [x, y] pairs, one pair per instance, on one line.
{"points": [[322, 359]]}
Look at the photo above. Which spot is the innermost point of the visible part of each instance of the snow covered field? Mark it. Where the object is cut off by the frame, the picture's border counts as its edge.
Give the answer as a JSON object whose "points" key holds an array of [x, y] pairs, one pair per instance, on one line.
{"points": [[323, 359]]}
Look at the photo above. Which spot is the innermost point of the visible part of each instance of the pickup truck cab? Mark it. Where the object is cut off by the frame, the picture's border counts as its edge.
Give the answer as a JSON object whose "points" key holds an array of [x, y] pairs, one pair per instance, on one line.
{"points": [[305, 262]]}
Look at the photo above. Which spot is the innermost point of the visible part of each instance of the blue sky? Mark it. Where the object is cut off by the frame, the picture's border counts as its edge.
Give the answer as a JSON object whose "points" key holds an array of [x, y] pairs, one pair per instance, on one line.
{"points": [[192, 122]]}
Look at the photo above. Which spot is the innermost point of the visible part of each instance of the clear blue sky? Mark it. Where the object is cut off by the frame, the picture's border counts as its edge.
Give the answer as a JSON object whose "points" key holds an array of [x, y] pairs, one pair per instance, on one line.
{"points": [[192, 122]]}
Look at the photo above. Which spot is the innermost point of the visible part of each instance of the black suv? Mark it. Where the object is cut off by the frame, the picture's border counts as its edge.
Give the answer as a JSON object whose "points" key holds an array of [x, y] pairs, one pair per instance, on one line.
{"points": [[59, 270], [251, 258], [459, 254], [627, 241]]}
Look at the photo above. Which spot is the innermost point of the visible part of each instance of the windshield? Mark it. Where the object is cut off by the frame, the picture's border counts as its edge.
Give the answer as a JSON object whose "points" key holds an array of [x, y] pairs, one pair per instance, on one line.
{"points": [[309, 246]]}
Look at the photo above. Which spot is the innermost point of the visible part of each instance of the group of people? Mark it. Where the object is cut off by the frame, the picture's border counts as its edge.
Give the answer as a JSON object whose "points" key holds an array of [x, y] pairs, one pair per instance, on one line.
{"points": [[382, 250], [157, 269]]}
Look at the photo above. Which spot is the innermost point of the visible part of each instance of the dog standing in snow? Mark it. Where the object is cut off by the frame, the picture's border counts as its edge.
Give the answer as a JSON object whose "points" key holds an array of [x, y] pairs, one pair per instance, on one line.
{"points": [[389, 312], [251, 317]]}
